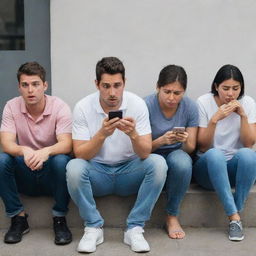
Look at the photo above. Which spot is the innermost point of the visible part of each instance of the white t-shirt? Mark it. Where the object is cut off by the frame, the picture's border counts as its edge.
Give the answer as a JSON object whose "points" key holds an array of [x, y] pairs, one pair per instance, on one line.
{"points": [[88, 117], [227, 131]]}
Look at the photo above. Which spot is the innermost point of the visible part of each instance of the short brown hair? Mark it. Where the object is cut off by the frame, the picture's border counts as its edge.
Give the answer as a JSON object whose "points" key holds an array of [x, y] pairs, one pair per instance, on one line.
{"points": [[30, 69]]}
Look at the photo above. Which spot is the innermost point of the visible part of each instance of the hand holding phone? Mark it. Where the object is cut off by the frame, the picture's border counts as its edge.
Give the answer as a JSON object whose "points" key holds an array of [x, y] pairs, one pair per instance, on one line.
{"points": [[178, 129]]}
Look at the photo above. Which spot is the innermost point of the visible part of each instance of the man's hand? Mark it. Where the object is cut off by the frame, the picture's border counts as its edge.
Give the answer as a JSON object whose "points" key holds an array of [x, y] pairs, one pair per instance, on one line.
{"points": [[34, 159], [109, 126], [127, 125]]}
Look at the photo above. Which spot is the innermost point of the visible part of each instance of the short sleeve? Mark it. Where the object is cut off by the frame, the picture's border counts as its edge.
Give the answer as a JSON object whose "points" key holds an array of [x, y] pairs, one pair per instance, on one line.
{"points": [[80, 130], [203, 120], [8, 123], [250, 109], [142, 121], [193, 119], [64, 120]]}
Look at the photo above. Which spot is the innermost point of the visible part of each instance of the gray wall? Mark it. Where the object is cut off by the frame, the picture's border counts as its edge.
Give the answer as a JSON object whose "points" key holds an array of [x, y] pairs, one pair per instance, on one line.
{"points": [[37, 48], [200, 35]]}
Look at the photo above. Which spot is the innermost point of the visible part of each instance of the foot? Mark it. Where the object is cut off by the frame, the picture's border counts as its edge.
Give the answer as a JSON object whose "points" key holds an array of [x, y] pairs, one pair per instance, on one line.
{"points": [[134, 237], [19, 227], [173, 228], [235, 231], [91, 238], [62, 232]]}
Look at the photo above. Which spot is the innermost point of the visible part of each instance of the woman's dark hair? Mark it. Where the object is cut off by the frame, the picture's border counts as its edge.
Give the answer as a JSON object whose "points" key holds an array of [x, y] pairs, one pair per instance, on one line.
{"points": [[225, 73], [171, 74]]}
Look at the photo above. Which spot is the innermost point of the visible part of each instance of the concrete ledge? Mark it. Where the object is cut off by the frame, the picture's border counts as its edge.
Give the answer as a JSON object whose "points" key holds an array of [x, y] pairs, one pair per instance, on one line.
{"points": [[200, 208]]}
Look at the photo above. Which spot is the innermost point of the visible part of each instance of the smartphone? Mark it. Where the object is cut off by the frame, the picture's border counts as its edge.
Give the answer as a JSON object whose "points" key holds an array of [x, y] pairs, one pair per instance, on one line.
{"points": [[178, 129], [113, 114]]}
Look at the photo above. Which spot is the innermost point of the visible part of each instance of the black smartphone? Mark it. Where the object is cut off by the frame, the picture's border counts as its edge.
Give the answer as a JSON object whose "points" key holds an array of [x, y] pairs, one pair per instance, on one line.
{"points": [[113, 114]]}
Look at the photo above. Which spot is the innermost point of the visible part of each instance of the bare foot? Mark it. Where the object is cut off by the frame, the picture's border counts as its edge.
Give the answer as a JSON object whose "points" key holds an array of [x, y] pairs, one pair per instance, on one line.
{"points": [[173, 228]]}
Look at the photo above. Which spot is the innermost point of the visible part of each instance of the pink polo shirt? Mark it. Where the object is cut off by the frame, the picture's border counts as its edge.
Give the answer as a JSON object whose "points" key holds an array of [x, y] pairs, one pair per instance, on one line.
{"points": [[55, 120]]}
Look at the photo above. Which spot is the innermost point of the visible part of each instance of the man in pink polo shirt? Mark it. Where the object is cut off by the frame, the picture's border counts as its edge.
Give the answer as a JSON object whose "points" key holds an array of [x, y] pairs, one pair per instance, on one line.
{"points": [[36, 141]]}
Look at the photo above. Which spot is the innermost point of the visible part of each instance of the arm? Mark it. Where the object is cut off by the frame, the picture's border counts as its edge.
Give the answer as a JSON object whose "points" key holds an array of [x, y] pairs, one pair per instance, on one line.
{"points": [[206, 134], [166, 139], [9, 145], [189, 144], [87, 149], [247, 131]]}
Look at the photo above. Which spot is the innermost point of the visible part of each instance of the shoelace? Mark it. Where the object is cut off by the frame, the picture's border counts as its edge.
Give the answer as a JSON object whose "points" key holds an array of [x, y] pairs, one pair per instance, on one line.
{"points": [[235, 225], [60, 224]]}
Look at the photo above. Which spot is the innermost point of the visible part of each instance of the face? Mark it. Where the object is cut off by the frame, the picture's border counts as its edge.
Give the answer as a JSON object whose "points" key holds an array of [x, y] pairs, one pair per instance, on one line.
{"points": [[228, 90], [32, 89], [170, 95], [111, 89]]}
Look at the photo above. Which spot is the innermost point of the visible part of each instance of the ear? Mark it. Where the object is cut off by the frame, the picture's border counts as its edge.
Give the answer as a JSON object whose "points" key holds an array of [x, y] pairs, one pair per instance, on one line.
{"points": [[45, 86], [96, 83]]}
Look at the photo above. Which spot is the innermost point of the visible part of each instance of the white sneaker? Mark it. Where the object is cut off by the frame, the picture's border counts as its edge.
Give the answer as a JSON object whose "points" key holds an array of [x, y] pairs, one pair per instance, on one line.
{"points": [[91, 238], [134, 237]]}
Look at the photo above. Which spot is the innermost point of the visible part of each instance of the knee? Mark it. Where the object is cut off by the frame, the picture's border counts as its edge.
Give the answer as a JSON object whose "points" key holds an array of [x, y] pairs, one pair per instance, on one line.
{"points": [[214, 154], [158, 167], [76, 169], [179, 161], [246, 154], [59, 161]]}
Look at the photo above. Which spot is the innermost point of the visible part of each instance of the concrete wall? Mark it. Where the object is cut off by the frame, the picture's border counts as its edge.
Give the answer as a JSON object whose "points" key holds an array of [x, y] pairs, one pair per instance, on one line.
{"points": [[200, 35]]}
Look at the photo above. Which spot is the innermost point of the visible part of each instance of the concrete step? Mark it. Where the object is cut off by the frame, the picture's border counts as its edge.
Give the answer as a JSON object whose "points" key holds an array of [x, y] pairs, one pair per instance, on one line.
{"points": [[200, 208], [198, 242]]}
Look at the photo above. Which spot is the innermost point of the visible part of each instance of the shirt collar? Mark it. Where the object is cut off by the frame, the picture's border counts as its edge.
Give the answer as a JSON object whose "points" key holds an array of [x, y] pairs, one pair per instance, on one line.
{"points": [[47, 110]]}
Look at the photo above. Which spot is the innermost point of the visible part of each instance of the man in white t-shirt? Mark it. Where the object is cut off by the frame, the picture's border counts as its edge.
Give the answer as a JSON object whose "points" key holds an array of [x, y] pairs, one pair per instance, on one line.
{"points": [[113, 156]]}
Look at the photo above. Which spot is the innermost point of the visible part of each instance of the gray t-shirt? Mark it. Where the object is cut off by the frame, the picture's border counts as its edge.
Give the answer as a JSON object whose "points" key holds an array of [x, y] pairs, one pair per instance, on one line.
{"points": [[185, 116]]}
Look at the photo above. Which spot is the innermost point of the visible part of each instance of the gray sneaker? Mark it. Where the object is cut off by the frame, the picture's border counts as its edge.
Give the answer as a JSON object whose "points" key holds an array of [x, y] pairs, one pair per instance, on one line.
{"points": [[235, 231]]}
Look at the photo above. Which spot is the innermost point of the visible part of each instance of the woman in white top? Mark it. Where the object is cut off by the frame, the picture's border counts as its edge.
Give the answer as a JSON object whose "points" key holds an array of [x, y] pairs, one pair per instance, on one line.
{"points": [[226, 133]]}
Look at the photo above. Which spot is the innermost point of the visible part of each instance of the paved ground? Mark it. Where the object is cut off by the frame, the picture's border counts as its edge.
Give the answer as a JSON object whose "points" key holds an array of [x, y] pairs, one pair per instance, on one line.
{"points": [[198, 242]]}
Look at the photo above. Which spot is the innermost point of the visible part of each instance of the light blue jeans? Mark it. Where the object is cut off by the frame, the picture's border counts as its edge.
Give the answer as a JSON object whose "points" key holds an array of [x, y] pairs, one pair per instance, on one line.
{"points": [[213, 172], [178, 179], [146, 177]]}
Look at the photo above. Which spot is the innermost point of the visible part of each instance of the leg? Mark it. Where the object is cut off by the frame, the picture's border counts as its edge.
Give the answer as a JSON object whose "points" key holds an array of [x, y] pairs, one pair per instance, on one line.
{"points": [[52, 180], [84, 181], [210, 171], [145, 177], [242, 172], [177, 183], [8, 186]]}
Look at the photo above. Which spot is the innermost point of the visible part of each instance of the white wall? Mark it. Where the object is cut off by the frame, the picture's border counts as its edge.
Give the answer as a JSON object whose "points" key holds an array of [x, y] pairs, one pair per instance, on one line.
{"points": [[200, 35]]}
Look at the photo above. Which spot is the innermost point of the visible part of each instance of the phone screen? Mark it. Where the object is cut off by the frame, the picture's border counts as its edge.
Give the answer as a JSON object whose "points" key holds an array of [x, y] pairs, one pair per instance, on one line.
{"points": [[178, 129], [113, 114]]}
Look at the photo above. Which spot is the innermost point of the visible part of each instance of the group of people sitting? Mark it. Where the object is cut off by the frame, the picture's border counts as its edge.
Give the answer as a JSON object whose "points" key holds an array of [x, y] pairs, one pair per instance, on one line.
{"points": [[122, 144]]}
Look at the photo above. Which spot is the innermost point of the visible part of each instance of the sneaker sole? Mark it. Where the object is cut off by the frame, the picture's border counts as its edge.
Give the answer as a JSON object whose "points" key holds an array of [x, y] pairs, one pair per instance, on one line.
{"points": [[100, 241], [63, 242], [126, 241], [236, 239]]}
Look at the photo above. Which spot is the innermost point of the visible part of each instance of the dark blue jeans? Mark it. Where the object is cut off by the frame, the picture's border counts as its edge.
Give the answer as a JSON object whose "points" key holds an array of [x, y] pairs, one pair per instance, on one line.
{"points": [[16, 177]]}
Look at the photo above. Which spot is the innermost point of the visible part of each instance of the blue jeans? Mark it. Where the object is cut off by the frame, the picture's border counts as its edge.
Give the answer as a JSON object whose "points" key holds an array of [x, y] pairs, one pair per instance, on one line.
{"points": [[178, 179], [213, 172], [86, 179], [16, 177]]}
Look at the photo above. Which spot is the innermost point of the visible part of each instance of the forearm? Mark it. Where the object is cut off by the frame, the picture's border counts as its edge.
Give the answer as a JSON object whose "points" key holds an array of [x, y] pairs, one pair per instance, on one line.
{"points": [[89, 149], [157, 143], [13, 149], [61, 147], [247, 133], [141, 146], [188, 146], [205, 140]]}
